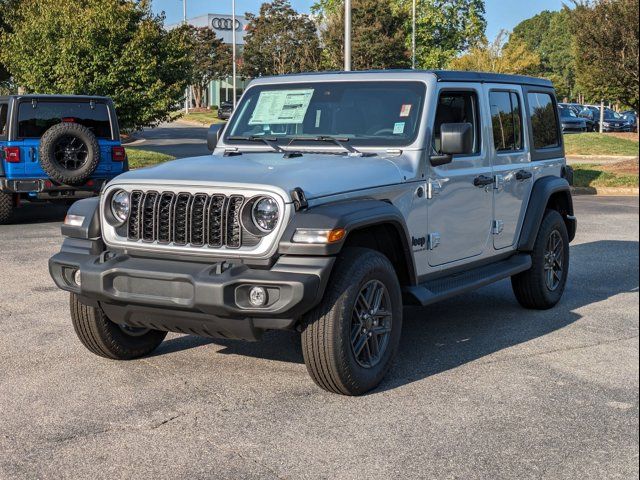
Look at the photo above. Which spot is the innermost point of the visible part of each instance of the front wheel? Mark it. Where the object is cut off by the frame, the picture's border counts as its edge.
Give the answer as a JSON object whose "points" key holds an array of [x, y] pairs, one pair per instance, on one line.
{"points": [[542, 286], [349, 341], [107, 339]]}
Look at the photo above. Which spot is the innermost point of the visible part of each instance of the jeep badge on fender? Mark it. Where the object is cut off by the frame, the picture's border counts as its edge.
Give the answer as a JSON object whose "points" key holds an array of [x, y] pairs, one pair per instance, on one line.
{"points": [[306, 218]]}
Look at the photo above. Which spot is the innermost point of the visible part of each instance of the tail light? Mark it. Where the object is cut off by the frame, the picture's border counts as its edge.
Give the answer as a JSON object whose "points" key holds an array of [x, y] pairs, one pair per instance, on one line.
{"points": [[118, 154], [12, 154]]}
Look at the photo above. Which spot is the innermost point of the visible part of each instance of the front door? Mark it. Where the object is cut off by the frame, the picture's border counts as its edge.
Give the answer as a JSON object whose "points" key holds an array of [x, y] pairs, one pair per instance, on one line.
{"points": [[460, 192], [511, 162]]}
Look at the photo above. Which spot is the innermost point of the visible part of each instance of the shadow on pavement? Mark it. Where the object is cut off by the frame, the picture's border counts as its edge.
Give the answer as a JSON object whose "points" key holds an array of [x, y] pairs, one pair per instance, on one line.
{"points": [[29, 213], [457, 331]]}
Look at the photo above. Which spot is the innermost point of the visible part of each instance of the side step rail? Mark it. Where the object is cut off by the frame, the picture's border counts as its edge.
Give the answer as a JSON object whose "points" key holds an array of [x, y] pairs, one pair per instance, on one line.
{"points": [[442, 288]]}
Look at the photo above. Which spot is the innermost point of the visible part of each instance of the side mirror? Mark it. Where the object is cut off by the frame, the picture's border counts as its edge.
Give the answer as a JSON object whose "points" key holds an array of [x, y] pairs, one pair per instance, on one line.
{"points": [[455, 139], [214, 134]]}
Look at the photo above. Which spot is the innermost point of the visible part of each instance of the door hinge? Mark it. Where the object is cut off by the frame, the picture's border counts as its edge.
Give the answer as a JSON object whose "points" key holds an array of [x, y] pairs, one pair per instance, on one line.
{"points": [[433, 188], [433, 240], [498, 182], [497, 227]]}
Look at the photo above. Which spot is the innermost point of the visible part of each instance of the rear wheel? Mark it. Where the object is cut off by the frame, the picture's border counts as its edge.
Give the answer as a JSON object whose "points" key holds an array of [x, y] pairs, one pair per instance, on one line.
{"points": [[542, 286], [349, 341], [107, 339], [6, 207]]}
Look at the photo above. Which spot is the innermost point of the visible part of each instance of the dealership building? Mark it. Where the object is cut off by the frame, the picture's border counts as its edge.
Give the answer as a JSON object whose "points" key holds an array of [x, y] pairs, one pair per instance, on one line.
{"points": [[222, 90]]}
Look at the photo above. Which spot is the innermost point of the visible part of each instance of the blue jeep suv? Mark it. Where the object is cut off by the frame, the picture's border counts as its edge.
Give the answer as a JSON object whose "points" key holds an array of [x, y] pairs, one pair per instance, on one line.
{"points": [[56, 148]]}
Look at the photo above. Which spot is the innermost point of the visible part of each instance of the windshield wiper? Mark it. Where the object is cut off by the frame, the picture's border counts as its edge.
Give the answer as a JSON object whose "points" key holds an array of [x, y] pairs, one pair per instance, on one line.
{"points": [[269, 141], [339, 141]]}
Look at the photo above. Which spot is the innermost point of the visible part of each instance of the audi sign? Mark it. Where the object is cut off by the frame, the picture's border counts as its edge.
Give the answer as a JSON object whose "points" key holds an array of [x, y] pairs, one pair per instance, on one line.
{"points": [[218, 23]]}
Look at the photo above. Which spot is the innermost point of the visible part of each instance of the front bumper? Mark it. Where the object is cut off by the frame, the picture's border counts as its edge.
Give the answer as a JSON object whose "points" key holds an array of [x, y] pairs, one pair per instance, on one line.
{"points": [[45, 189], [209, 299]]}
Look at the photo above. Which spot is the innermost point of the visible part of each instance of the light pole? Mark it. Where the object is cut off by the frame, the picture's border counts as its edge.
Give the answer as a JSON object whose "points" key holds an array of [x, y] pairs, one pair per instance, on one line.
{"points": [[186, 91], [347, 35], [233, 48], [413, 37]]}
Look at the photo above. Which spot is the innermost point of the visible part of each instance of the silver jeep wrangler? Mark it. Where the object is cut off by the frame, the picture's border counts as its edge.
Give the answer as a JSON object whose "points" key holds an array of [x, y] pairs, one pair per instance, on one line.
{"points": [[330, 201]]}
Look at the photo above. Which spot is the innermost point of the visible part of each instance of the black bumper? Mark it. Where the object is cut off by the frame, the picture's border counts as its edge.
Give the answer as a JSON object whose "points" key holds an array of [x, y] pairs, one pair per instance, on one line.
{"points": [[46, 189], [209, 299]]}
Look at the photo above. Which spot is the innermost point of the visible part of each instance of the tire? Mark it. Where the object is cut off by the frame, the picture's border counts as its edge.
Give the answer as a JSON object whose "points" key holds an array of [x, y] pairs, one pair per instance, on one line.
{"points": [[6, 207], [536, 288], [330, 358], [106, 339], [75, 164]]}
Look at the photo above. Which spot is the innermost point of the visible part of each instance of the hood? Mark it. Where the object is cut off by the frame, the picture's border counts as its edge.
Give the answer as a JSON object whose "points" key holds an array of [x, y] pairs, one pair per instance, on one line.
{"points": [[318, 175], [572, 120]]}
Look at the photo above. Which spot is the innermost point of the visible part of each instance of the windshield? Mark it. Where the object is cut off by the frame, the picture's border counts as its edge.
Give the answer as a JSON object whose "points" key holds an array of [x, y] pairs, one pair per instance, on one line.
{"points": [[361, 113], [566, 112]]}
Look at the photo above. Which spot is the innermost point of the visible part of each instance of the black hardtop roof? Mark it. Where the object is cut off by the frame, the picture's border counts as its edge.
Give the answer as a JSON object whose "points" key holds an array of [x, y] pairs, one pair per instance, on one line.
{"points": [[39, 96], [447, 76]]}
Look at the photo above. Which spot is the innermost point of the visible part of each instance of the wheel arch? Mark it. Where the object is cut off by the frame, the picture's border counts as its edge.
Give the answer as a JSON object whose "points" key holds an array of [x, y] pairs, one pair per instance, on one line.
{"points": [[548, 193], [369, 223]]}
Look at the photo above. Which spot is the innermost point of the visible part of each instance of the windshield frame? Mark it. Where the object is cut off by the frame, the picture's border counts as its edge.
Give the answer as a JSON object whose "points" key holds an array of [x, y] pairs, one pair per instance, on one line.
{"points": [[361, 144]]}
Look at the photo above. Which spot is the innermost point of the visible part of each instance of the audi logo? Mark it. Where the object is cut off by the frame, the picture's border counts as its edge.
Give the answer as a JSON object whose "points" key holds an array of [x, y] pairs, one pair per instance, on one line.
{"points": [[224, 24]]}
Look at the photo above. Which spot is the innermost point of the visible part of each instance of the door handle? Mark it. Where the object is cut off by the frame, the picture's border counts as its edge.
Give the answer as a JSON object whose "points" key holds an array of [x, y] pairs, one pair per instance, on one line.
{"points": [[482, 181], [523, 175]]}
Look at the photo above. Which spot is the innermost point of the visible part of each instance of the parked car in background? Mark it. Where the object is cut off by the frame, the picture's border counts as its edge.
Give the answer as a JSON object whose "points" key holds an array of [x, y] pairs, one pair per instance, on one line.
{"points": [[631, 117], [613, 121], [570, 122], [225, 110], [56, 148], [576, 107]]}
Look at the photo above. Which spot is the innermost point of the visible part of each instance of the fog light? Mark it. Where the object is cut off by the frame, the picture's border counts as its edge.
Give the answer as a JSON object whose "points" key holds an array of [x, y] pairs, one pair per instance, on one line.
{"points": [[258, 296], [76, 278]]}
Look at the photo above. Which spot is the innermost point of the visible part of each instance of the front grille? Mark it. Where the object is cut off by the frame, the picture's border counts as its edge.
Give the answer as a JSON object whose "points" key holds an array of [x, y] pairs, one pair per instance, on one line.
{"points": [[197, 220]]}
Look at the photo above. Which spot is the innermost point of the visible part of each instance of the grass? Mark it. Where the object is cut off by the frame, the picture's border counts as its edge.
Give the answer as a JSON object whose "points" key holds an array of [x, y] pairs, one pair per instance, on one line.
{"points": [[599, 144], [205, 118], [621, 174], [144, 158]]}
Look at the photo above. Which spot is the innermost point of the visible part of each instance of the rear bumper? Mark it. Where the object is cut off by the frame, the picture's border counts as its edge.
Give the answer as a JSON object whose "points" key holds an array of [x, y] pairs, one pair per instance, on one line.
{"points": [[45, 189], [209, 299]]}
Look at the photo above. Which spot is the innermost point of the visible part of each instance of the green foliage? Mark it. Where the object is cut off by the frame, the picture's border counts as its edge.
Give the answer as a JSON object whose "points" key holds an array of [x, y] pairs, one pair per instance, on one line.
{"points": [[594, 176], [144, 158], [514, 57], [378, 39], [280, 40], [607, 50], [444, 28], [99, 47], [603, 144], [548, 34], [6, 7], [211, 59]]}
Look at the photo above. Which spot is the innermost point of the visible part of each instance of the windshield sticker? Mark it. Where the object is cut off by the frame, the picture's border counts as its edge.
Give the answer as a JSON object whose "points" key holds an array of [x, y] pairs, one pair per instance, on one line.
{"points": [[405, 111], [318, 117], [398, 128], [281, 107]]}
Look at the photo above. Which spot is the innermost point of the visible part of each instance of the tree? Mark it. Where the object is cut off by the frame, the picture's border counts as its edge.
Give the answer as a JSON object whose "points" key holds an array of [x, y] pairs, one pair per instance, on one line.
{"points": [[444, 28], [279, 40], [378, 38], [513, 57], [99, 47], [607, 51], [549, 35], [6, 6], [211, 59]]}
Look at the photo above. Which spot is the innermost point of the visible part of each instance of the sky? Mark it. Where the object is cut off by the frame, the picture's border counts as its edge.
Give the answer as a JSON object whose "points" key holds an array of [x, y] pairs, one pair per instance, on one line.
{"points": [[501, 14]]}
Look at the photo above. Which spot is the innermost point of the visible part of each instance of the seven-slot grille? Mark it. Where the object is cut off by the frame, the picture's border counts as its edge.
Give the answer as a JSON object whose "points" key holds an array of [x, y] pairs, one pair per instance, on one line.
{"points": [[197, 220]]}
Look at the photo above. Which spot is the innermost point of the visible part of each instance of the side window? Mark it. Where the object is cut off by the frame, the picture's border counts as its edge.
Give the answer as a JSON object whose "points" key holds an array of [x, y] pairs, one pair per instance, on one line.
{"points": [[457, 107], [4, 124], [544, 121], [506, 121]]}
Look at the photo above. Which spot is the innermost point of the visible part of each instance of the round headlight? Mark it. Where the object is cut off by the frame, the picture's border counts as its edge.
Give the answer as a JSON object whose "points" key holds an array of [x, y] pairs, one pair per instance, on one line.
{"points": [[265, 214], [120, 206]]}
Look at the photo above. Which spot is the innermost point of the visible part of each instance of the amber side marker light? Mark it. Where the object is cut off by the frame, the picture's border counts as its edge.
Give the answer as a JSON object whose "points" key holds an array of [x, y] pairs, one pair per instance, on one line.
{"points": [[319, 236]]}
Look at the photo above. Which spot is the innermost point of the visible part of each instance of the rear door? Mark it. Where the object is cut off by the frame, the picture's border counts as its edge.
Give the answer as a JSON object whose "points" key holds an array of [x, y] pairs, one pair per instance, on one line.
{"points": [[511, 162], [460, 203]]}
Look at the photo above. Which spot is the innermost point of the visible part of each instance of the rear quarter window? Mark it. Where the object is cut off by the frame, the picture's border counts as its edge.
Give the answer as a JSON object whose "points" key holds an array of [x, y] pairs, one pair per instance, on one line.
{"points": [[36, 118], [4, 119], [544, 121]]}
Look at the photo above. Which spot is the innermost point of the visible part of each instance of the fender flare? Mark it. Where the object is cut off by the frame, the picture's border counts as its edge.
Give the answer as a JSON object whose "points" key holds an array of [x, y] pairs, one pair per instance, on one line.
{"points": [[351, 215], [89, 210], [542, 191]]}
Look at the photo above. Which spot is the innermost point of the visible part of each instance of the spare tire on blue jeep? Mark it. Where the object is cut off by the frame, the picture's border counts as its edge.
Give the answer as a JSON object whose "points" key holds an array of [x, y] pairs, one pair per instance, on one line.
{"points": [[69, 153]]}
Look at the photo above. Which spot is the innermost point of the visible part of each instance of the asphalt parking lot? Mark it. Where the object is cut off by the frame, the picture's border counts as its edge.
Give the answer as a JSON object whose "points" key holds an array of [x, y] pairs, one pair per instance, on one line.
{"points": [[480, 389]]}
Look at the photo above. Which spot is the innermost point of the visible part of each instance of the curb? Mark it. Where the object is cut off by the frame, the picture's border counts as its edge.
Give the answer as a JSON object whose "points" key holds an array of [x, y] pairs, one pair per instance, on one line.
{"points": [[606, 191], [192, 123]]}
